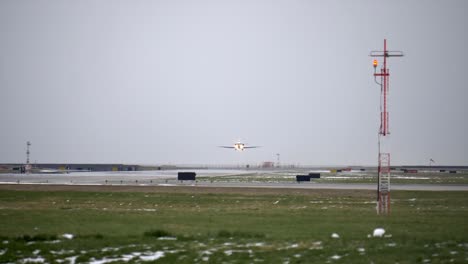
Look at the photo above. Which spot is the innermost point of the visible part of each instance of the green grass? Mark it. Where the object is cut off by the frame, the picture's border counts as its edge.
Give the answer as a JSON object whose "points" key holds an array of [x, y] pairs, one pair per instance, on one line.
{"points": [[243, 227]]}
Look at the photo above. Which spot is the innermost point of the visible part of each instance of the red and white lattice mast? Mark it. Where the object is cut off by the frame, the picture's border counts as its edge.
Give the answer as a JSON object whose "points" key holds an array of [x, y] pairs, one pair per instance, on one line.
{"points": [[383, 186]]}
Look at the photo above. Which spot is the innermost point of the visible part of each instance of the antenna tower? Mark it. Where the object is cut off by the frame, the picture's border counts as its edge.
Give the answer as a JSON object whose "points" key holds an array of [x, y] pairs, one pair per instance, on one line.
{"points": [[27, 151], [28, 166], [383, 170]]}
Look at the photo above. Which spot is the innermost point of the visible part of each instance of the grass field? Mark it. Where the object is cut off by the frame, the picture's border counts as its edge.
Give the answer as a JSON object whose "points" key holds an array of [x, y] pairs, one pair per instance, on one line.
{"points": [[397, 177], [228, 225]]}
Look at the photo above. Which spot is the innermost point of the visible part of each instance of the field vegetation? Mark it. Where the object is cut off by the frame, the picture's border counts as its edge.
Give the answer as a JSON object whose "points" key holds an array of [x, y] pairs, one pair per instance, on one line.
{"points": [[75, 224]]}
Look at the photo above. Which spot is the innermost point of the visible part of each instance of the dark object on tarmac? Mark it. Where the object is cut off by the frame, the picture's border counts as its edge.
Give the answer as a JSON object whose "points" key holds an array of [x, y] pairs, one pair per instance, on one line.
{"points": [[339, 170], [186, 176], [411, 171], [314, 175], [362, 169], [453, 172], [301, 178], [442, 170]]}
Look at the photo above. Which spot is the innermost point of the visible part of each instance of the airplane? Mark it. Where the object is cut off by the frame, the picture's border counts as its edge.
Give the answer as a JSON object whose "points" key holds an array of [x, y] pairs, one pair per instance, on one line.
{"points": [[239, 146]]}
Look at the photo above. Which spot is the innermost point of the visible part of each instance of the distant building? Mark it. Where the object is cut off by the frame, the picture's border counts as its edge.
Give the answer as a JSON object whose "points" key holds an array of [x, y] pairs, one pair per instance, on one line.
{"points": [[268, 164]]}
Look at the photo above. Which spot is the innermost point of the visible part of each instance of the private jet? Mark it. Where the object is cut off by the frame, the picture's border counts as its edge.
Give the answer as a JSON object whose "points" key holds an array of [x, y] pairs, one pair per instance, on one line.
{"points": [[239, 146]]}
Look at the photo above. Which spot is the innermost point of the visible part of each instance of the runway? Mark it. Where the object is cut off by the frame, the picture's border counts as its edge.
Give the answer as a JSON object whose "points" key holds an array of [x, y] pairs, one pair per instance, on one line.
{"points": [[342, 186], [169, 178]]}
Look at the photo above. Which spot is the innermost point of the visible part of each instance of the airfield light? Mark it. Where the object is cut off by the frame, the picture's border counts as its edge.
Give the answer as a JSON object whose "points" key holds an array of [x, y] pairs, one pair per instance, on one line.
{"points": [[375, 63]]}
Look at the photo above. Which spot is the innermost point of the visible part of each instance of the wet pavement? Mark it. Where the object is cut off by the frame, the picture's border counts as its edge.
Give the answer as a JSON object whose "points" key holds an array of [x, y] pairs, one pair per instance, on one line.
{"points": [[169, 178]]}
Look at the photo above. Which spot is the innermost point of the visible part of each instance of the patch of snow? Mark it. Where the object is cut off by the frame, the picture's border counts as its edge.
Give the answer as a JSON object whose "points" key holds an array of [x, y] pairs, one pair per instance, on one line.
{"points": [[335, 257], [258, 244], [410, 177], [33, 260], [167, 238], [206, 258], [107, 249], [127, 258], [335, 235], [292, 246], [62, 252], [155, 256], [5, 242], [230, 252], [316, 245], [72, 259], [276, 202], [393, 244], [361, 250], [297, 255], [103, 261], [2, 252], [388, 236], [206, 252], [36, 252], [341, 177], [298, 207], [378, 232], [453, 252], [68, 236], [412, 199], [53, 242]]}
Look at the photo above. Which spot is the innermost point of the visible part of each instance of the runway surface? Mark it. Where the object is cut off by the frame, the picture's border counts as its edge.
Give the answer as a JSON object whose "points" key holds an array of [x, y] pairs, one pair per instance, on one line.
{"points": [[169, 178]]}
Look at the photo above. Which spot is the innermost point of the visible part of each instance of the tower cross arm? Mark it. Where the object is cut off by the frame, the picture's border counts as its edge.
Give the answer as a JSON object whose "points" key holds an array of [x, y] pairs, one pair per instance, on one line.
{"points": [[386, 53]]}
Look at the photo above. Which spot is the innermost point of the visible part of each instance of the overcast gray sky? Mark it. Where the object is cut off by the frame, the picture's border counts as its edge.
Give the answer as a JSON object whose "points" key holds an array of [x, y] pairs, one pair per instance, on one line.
{"points": [[168, 81]]}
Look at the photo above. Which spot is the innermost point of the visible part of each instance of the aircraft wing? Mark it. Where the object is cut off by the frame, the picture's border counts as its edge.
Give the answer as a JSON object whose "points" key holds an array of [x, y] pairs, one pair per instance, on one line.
{"points": [[252, 147], [231, 147]]}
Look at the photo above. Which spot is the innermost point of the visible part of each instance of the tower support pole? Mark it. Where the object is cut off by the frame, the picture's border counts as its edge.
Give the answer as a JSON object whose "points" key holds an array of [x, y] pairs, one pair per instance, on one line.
{"points": [[383, 168]]}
